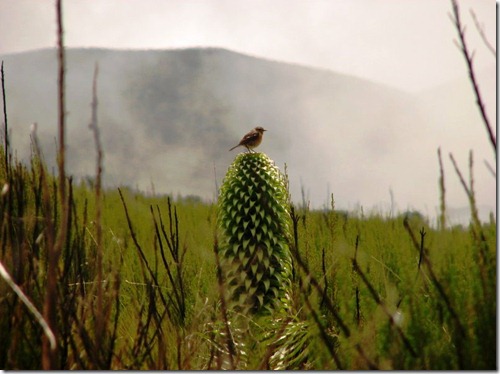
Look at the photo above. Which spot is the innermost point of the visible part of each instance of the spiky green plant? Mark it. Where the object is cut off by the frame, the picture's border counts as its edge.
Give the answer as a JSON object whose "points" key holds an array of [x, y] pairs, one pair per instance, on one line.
{"points": [[255, 223]]}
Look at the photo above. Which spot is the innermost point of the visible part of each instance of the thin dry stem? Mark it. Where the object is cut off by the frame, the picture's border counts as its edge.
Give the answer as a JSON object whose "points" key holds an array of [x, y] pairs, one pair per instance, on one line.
{"points": [[229, 340], [100, 322], [324, 336], [490, 169], [437, 284], [455, 18], [49, 356], [480, 30], [442, 196], [39, 318], [6, 128], [382, 305]]}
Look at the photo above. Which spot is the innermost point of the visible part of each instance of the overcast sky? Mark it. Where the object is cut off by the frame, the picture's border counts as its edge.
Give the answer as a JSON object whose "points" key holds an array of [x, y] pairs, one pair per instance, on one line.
{"points": [[404, 43]]}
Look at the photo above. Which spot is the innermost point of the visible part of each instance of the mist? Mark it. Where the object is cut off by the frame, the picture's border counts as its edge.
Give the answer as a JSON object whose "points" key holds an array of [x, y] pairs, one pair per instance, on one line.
{"points": [[167, 119]]}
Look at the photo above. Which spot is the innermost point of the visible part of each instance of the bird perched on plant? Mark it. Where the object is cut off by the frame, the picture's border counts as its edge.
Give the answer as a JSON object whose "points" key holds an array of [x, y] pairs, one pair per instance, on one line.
{"points": [[252, 139]]}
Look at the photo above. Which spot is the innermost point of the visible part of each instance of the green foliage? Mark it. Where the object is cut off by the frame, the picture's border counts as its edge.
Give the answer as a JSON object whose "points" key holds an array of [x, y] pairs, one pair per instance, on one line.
{"points": [[369, 292]]}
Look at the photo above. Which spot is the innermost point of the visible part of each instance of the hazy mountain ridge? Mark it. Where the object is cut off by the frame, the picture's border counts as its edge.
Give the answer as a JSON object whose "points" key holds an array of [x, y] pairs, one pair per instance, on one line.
{"points": [[169, 117]]}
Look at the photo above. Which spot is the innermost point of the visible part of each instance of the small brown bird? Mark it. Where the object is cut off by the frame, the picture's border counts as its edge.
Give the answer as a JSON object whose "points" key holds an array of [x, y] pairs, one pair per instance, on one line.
{"points": [[252, 139]]}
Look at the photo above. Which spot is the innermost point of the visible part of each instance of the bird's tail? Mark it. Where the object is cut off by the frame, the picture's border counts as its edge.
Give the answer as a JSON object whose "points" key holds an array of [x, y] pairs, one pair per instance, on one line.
{"points": [[236, 146]]}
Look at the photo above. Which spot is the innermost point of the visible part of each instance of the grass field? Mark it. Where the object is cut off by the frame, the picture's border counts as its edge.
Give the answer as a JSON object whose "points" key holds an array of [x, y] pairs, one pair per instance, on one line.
{"points": [[137, 286]]}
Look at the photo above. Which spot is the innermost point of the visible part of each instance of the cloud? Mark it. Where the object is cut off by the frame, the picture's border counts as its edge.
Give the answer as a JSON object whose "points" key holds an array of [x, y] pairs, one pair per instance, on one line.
{"points": [[407, 44]]}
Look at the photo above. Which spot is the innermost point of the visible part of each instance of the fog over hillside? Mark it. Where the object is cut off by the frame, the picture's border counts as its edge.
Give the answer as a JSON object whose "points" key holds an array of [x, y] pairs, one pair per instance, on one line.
{"points": [[168, 117]]}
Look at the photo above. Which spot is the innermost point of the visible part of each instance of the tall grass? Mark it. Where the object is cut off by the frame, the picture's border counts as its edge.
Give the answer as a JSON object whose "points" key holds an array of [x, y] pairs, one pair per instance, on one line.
{"points": [[371, 292]]}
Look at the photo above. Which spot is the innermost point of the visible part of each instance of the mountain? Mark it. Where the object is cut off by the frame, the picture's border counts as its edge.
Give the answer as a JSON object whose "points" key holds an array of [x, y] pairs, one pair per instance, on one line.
{"points": [[168, 117]]}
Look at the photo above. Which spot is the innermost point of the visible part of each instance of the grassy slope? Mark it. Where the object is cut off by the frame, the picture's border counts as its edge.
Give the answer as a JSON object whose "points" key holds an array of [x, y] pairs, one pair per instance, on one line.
{"points": [[448, 308]]}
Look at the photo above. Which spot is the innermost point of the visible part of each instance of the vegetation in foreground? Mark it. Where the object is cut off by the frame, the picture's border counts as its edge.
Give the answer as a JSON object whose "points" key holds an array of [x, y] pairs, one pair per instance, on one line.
{"points": [[368, 292]]}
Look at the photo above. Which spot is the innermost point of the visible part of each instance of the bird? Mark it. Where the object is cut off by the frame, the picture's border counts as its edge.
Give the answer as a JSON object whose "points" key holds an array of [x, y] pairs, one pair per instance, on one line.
{"points": [[252, 139]]}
